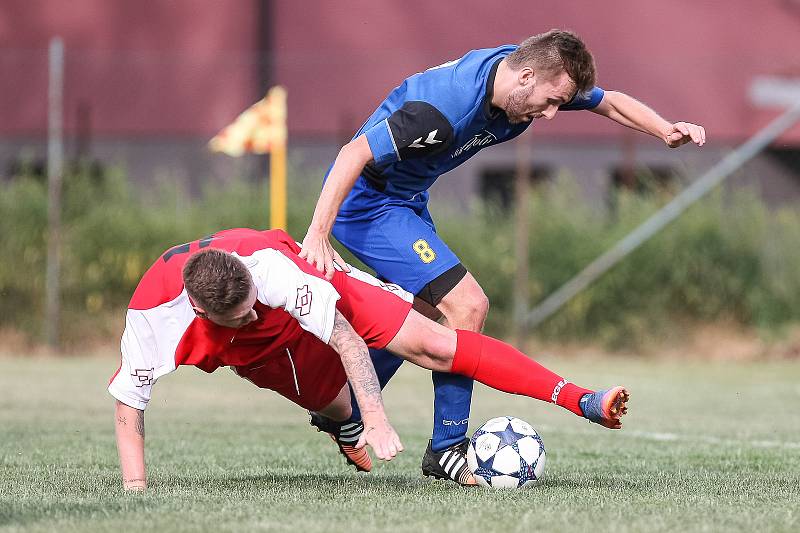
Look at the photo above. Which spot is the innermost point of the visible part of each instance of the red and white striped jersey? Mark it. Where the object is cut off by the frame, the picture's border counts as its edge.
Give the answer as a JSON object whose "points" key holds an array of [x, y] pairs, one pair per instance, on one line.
{"points": [[162, 331]]}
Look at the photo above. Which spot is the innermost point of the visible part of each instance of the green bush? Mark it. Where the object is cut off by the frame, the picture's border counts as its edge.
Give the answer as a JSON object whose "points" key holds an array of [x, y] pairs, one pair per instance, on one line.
{"points": [[23, 221], [727, 258], [111, 235]]}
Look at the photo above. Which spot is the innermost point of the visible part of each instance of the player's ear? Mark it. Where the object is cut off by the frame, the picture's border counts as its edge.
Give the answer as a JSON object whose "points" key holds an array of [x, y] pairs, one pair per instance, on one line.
{"points": [[199, 311], [525, 76]]}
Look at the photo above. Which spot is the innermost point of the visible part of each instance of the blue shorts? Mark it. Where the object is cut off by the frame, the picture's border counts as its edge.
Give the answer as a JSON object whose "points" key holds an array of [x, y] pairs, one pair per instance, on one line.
{"points": [[394, 237]]}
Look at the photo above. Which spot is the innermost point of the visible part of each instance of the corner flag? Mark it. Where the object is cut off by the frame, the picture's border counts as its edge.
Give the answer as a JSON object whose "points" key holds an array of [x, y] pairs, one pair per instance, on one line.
{"points": [[261, 129]]}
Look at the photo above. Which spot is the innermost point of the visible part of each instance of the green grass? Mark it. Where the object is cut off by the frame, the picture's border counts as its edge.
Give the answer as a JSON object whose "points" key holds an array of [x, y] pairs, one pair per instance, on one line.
{"points": [[709, 446]]}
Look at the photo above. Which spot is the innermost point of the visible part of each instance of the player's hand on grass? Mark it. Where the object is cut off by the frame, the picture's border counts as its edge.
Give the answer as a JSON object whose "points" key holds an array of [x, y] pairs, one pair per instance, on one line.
{"points": [[318, 251], [381, 437], [134, 485], [684, 132]]}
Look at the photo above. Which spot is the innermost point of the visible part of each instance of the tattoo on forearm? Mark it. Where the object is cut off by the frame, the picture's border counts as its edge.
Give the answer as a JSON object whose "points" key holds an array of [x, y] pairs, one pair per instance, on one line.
{"points": [[122, 421], [356, 361], [140, 423]]}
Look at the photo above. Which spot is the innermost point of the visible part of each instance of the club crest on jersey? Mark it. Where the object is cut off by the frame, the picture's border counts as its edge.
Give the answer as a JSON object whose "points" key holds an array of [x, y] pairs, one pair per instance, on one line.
{"points": [[142, 376], [303, 302], [483, 138]]}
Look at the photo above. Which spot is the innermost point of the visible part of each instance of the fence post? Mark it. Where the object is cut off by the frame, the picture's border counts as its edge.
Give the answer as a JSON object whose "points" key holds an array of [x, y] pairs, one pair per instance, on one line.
{"points": [[519, 294], [55, 172]]}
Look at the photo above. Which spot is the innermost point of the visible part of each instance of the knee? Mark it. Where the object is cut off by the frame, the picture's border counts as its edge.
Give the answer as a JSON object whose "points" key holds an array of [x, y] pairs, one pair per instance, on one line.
{"points": [[481, 307], [471, 313]]}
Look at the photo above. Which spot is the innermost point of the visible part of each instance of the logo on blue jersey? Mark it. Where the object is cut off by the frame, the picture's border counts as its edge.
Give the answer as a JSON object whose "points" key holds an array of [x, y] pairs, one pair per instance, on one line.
{"points": [[419, 143], [481, 139]]}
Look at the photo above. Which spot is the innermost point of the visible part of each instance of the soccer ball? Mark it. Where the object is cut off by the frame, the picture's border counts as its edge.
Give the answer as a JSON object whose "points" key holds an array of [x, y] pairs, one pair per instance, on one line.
{"points": [[506, 453]]}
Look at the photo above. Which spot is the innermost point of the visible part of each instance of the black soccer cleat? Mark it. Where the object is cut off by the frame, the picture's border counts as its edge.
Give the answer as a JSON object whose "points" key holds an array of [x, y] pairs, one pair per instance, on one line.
{"points": [[450, 464], [345, 435]]}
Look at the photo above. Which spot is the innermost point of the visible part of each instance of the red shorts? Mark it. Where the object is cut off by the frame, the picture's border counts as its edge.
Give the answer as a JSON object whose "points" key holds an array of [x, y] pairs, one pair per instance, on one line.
{"points": [[376, 310], [309, 372]]}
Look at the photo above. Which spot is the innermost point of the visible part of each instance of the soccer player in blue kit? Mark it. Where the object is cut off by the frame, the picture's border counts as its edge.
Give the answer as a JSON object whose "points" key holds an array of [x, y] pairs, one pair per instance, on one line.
{"points": [[375, 195]]}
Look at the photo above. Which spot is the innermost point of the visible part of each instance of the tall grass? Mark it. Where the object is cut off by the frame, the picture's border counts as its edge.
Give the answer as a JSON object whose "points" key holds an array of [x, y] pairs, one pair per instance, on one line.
{"points": [[727, 258]]}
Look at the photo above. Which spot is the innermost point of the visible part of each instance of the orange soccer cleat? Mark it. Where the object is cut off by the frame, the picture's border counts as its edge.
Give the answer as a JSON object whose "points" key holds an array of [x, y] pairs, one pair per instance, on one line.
{"points": [[345, 435], [606, 407]]}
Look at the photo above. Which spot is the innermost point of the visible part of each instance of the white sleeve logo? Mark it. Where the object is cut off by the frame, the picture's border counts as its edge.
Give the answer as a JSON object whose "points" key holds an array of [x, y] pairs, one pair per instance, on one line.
{"points": [[142, 376], [431, 140]]}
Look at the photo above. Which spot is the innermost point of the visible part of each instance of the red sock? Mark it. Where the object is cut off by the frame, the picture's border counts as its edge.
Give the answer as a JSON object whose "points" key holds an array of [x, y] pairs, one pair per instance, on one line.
{"points": [[503, 367]]}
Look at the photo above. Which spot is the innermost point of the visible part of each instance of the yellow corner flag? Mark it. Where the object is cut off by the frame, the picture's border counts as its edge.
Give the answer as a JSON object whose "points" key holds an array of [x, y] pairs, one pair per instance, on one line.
{"points": [[258, 130], [261, 129]]}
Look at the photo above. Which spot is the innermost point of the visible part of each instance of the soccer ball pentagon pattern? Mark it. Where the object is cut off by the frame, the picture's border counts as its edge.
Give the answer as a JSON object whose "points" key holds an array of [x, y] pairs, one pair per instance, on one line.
{"points": [[506, 453]]}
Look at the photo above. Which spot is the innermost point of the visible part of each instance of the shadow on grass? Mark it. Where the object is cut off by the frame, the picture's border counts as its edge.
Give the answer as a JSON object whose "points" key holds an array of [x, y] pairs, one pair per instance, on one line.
{"points": [[333, 483], [272, 481]]}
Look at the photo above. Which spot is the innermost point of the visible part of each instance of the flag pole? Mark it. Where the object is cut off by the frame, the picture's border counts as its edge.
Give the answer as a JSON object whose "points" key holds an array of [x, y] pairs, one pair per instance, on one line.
{"points": [[277, 187]]}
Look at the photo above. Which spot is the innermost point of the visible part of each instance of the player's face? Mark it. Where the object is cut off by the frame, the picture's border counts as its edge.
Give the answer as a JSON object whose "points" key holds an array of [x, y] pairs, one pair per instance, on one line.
{"points": [[239, 316], [538, 96]]}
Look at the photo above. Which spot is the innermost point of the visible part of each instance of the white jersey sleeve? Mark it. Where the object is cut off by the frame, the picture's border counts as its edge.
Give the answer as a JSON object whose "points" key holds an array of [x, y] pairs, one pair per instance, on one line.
{"points": [[282, 284], [148, 347]]}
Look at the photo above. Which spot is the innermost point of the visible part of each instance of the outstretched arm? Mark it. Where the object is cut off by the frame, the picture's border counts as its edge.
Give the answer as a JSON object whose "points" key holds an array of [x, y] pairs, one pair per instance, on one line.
{"points": [[364, 382], [317, 248], [130, 445], [632, 113]]}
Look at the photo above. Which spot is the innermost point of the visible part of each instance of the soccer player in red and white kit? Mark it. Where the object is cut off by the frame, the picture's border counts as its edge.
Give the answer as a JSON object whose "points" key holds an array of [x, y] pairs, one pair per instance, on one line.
{"points": [[245, 299]]}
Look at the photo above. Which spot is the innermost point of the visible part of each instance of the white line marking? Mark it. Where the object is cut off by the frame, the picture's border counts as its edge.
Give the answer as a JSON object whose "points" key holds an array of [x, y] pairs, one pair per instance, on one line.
{"points": [[744, 441], [675, 437]]}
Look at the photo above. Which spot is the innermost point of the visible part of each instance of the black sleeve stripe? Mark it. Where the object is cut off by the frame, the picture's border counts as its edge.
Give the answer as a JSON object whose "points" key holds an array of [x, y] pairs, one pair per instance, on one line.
{"points": [[418, 129]]}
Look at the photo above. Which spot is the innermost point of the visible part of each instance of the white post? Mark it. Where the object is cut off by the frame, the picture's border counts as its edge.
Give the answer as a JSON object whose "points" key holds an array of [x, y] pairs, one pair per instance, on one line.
{"points": [[55, 171]]}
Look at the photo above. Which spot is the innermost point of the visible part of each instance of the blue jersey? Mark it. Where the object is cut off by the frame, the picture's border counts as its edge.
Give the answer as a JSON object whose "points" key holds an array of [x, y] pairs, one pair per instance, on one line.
{"points": [[433, 122]]}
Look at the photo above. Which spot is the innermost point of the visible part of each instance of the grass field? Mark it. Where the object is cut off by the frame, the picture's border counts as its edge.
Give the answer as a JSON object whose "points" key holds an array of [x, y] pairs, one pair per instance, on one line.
{"points": [[709, 446]]}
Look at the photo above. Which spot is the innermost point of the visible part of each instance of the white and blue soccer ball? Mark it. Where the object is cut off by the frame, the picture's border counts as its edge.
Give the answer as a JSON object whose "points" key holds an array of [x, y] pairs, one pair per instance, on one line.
{"points": [[506, 453]]}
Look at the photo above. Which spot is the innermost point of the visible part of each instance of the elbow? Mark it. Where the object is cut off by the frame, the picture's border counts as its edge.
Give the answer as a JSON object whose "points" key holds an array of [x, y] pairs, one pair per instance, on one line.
{"points": [[343, 151], [614, 97], [356, 151]]}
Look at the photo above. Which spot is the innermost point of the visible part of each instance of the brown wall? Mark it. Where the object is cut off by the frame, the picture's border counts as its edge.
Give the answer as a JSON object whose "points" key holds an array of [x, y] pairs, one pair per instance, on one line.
{"points": [[690, 60], [187, 67], [178, 67]]}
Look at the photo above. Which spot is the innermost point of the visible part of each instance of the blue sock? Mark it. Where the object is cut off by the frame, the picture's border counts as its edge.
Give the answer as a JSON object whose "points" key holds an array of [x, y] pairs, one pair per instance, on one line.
{"points": [[451, 403], [386, 364]]}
